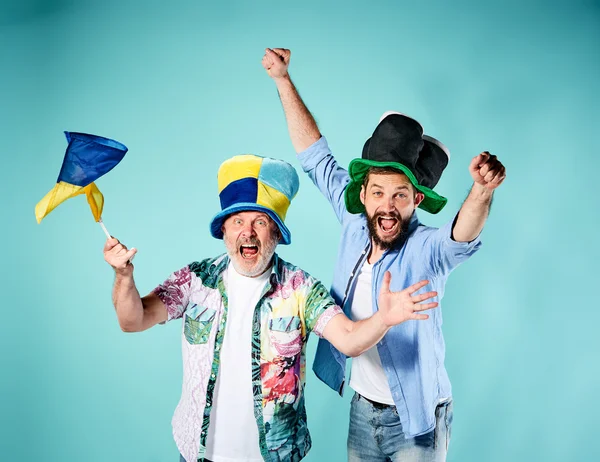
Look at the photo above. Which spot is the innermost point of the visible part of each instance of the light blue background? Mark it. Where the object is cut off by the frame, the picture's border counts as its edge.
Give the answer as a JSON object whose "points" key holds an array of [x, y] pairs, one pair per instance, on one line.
{"points": [[180, 83]]}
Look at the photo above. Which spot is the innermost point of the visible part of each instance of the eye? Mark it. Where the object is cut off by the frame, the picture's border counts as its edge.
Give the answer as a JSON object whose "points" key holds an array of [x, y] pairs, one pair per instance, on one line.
{"points": [[377, 193], [402, 195], [237, 221], [261, 222]]}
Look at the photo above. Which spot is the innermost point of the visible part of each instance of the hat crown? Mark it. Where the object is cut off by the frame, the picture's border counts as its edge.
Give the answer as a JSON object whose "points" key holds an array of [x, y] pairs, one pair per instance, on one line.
{"points": [[249, 182], [399, 138]]}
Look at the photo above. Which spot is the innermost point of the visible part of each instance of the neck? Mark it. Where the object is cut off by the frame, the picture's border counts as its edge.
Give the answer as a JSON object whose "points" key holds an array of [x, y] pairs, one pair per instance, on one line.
{"points": [[376, 253]]}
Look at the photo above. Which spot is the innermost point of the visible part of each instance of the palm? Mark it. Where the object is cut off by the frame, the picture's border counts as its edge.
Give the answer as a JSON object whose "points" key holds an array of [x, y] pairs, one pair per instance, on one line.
{"points": [[397, 307]]}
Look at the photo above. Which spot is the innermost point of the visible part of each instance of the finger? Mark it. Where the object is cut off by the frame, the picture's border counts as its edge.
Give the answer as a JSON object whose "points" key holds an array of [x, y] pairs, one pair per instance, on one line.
{"points": [[110, 243], [425, 306], [412, 289], [487, 157], [385, 285], [476, 162], [129, 255], [500, 169], [422, 297], [501, 178], [489, 176], [265, 62], [497, 174], [485, 168], [277, 56], [420, 317], [119, 249], [284, 53]]}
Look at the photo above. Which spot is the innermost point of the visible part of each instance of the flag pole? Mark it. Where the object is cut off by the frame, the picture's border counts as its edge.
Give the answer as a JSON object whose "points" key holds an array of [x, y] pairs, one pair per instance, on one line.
{"points": [[108, 236]]}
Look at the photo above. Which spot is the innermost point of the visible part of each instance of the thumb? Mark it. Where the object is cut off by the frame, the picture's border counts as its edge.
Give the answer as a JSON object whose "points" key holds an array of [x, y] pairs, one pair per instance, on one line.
{"points": [[130, 253], [271, 54], [110, 243], [385, 285]]}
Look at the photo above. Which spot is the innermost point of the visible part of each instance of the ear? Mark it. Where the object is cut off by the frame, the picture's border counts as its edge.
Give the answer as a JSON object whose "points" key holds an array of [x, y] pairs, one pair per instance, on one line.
{"points": [[419, 198], [362, 194]]}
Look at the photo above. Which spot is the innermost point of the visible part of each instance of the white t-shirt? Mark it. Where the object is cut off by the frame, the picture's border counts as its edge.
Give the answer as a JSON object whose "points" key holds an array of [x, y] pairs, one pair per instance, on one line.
{"points": [[233, 433], [368, 377]]}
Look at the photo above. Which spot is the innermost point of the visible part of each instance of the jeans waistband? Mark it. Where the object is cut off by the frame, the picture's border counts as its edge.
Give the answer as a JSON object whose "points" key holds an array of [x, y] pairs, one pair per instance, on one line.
{"points": [[375, 404]]}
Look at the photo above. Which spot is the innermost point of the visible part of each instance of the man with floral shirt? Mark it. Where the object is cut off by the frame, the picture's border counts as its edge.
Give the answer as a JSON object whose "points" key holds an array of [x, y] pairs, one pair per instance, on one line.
{"points": [[247, 315]]}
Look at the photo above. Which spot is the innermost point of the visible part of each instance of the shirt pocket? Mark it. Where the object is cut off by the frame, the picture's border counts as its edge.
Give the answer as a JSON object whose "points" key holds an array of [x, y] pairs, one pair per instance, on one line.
{"points": [[285, 334], [198, 323]]}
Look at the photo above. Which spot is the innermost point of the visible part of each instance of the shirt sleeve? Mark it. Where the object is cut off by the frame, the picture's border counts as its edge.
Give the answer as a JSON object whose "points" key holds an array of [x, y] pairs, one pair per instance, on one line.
{"points": [[324, 171], [175, 292], [319, 309], [445, 253]]}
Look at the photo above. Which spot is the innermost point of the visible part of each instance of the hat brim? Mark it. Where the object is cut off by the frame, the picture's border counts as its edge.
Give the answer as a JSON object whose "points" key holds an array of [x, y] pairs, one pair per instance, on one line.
{"points": [[358, 169], [217, 222]]}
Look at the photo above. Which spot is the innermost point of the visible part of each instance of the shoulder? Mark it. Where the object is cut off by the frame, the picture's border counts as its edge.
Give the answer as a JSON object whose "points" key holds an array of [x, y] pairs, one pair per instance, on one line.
{"points": [[209, 269]]}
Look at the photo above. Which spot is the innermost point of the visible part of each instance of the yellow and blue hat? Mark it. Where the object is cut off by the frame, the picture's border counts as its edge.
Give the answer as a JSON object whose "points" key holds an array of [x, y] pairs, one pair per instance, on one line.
{"points": [[249, 182]]}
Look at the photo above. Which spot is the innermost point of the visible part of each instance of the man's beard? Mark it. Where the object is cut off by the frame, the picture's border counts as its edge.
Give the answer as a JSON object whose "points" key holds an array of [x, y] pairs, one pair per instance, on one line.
{"points": [[393, 242], [264, 260]]}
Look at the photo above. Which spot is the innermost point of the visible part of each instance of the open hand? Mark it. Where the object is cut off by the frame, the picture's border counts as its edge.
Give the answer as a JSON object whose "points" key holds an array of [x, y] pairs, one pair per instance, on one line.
{"points": [[397, 307]]}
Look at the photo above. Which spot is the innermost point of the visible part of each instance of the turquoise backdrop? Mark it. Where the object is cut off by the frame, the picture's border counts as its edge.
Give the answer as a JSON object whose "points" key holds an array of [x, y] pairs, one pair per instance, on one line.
{"points": [[180, 83]]}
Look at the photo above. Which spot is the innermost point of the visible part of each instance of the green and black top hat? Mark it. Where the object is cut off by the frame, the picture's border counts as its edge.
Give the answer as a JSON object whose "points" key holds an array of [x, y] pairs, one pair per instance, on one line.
{"points": [[398, 142]]}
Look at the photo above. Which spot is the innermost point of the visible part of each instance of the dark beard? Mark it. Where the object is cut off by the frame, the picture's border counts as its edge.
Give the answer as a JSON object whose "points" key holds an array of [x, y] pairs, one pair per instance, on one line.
{"points": [[386, 245]]}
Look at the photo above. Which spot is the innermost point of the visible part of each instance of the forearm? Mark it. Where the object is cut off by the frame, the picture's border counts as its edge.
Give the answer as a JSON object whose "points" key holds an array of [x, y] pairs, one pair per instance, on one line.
{"points": [[128, 303], [301, 124], [473, 214], [362, 335]]}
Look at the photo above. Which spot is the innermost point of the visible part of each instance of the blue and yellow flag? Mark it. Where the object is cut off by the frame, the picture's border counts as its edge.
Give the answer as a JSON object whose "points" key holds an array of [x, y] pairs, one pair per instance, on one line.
{"points": [[88, 157]]}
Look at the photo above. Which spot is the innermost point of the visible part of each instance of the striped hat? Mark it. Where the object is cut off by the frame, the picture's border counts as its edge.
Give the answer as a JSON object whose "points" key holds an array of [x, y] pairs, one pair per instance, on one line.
{"points": [[250, 182]]}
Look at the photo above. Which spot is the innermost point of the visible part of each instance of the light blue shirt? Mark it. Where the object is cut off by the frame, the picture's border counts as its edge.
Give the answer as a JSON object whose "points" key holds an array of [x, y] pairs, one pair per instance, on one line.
{"points": [[412, 353]]}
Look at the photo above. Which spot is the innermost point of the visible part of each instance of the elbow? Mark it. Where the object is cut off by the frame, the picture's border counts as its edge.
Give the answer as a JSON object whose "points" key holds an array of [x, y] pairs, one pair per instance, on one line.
{"points": [[351, 352], [354, 353], [128, 327]]}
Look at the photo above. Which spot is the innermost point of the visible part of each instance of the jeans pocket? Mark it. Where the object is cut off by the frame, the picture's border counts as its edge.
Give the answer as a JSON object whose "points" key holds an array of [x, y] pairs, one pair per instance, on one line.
{"points": [[449, 418], [198, 324], [443, 424]]}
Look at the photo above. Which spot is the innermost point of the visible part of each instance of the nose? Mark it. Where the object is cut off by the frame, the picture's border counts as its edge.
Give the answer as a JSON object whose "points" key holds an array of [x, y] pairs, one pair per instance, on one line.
{"points": [[388, 204], [247, 230]]}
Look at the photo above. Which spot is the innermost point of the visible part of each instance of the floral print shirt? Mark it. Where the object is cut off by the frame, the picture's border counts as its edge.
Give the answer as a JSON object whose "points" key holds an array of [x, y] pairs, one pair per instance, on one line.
{"points": [[293, 305]]}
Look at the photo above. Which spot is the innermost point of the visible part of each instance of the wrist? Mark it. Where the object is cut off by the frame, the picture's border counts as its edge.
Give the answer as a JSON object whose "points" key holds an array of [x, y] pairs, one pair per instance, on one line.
{"points": [[283, 80], [381, 323], [481, 194], [124, 274]]}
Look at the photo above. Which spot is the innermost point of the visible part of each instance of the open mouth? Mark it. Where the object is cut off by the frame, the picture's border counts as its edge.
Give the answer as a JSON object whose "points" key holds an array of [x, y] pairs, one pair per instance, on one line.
{"points": [[248, 251], [388, 224]]}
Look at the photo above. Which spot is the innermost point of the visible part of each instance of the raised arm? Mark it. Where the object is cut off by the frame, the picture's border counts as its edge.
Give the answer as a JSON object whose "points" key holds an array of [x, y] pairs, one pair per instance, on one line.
{"points": [[354, 338], [301, 124], [133, 312], [488, 173]]}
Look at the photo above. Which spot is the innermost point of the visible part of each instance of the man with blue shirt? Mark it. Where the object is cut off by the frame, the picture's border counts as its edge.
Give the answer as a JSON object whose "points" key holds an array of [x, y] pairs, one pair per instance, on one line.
{"points": [[402, 408]]}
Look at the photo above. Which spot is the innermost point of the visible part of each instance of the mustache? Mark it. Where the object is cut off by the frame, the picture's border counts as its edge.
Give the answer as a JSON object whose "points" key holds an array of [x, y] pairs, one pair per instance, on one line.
{"points": [[393, 214], [248, 241]]}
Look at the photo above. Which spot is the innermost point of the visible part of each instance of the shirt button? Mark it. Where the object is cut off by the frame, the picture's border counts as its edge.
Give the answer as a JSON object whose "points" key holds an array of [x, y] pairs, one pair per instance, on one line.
{"points": [[212, 375]]}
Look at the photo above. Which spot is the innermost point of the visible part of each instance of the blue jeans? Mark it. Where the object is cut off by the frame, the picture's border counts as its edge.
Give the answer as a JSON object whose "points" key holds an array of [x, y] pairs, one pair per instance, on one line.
{"points": [[376, 435]]}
